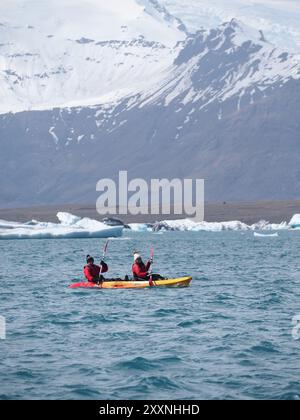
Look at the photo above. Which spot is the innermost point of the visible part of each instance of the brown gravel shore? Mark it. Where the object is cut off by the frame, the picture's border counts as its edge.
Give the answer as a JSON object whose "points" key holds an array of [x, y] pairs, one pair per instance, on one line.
{"points": [[252, 212]]}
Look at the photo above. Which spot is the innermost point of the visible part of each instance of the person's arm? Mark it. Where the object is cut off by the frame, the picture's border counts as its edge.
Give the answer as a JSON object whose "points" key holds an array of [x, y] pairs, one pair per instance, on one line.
{"points": [[104, 268], [148, 265]]}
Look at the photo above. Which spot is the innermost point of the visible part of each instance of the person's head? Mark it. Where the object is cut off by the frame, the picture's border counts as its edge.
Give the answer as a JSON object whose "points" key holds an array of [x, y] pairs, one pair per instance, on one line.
{"points": [[137, 258], [89, 259]]}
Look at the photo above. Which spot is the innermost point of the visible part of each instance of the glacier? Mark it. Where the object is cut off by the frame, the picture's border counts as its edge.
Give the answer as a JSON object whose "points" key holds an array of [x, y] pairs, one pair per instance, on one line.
{"points": [[278, 19], [74, 52]]}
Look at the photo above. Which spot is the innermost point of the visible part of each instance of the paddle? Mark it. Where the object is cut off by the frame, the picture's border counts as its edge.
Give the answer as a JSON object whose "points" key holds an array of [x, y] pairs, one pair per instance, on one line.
{"points": [[103, 258], [151, 282]]}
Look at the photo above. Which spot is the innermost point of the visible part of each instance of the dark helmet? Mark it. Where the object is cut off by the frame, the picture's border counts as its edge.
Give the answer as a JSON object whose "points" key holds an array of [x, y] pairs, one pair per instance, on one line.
{"points": [[89, 259]]}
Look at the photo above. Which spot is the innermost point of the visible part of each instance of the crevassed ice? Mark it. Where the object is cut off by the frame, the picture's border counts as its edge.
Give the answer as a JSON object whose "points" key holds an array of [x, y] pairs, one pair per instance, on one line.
{"points": [[279, 20]]}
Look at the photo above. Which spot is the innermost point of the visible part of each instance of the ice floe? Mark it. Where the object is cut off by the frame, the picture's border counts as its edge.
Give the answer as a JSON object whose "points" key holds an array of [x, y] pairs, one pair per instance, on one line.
{"points": [[69, 226], [192, 226], [139, 227], [263, 235], [295, 222]]}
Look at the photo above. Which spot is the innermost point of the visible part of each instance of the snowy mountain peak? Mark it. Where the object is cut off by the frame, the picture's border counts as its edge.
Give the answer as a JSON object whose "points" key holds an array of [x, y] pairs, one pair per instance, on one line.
{"points": [[279, 20], [230, 63], [242, 33], [78, 53]]}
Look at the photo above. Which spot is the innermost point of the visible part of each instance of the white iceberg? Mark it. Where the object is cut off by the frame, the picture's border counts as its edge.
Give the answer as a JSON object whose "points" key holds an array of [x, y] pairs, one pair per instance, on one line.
{"points": [[139, 227], [70, 226], [263, 235], [189, 225], [295, 222]]}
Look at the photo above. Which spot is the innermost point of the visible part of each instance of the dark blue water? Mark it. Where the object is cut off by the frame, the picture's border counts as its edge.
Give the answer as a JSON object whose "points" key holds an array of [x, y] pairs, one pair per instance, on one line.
{"points": [[227, 336]]}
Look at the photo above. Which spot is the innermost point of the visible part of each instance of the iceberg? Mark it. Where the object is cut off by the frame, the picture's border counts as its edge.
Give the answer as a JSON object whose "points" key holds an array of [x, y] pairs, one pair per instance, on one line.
{"points": [[189, 225], [139, 227], [262, 235], [69, 227], [295, 222]]}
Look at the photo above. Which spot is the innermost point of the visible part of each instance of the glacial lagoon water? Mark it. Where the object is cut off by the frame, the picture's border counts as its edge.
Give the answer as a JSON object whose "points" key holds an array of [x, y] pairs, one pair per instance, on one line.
{"points": [[227, 336]]}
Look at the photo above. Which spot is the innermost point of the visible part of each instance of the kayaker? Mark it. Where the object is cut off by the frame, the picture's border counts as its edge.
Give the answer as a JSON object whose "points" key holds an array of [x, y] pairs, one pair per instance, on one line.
{"points": [[92, 271], [139, 269]]}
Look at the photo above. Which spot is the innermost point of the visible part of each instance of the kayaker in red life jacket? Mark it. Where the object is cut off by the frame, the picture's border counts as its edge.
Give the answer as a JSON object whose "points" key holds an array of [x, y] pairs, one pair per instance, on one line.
{"points": [[92, 271], [139, 269]]}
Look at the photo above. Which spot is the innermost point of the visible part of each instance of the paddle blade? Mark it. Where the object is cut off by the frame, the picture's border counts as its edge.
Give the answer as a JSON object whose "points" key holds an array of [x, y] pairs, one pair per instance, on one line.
{"points": [[105, 249]]}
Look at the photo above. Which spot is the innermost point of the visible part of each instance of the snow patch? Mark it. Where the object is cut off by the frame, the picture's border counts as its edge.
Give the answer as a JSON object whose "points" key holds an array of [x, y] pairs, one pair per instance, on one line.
{"points": [[54, 136]]}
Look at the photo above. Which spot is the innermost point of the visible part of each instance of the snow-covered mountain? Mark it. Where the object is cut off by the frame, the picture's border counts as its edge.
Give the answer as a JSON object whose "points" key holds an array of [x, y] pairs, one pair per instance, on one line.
{"points": [[278, 18], [231, 61], [76, 52], [221, 104]]}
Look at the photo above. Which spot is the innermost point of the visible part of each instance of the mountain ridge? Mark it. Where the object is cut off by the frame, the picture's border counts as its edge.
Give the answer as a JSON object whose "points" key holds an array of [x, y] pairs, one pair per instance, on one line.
{"points": [[222, 105]]}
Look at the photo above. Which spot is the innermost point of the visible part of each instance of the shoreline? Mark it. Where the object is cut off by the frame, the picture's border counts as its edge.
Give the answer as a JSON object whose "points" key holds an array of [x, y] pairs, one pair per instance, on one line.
{"points": [[249, 213]]}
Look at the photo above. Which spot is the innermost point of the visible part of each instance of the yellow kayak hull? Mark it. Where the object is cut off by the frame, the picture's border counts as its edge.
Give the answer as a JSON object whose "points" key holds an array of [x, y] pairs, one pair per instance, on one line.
{"points": [[179, 282]]}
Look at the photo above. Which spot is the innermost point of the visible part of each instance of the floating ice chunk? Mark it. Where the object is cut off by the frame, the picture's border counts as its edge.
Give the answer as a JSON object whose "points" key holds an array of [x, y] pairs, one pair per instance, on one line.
{"points": [[295, 221], [263, 225], [70, 226], [139, 227], [67, 219], [10, 225], [188, 225], [263, 235], [192, 226]]}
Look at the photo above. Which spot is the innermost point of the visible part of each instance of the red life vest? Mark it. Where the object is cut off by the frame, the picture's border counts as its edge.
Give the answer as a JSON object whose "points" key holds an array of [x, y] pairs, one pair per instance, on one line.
{"points": [[141, 270], [92, 272]]}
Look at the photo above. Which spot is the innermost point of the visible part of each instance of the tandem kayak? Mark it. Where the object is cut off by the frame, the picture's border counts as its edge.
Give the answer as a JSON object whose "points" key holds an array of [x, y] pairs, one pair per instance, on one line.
{"points": [[117, 284]]}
